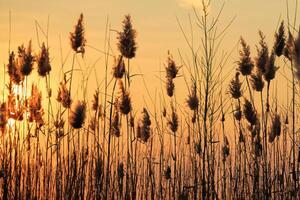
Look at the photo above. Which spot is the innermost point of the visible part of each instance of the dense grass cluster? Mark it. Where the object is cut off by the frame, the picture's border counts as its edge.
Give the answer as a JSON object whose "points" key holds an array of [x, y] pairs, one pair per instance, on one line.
{"points": [[233, 143]]}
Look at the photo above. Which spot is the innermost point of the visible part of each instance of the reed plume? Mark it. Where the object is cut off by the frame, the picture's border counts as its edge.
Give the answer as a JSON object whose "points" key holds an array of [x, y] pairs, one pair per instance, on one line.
{"points": [[171, 67], [13, 70], [63, 95], [95, 102], [119, 68], [245, 64], [43, 61], [275, 128], [270, 68], [127, 44], [77, 37], [25, 59], [249, 112], [170, 86], [280, 39], [173, 121], [257, 82], [36, 111], [235, 87], [77, 114], [124, 100], [237, 112], [143, 128], [262, 54], [193, 100]]}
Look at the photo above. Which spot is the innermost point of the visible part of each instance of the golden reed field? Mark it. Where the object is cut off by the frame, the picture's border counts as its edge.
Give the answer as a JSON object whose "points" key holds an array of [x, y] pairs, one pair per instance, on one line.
{"points": [[235, 134]]}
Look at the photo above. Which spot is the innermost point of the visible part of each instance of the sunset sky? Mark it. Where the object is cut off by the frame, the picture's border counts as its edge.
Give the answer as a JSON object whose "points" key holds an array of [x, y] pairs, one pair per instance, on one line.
{"points": [[155, 22]]}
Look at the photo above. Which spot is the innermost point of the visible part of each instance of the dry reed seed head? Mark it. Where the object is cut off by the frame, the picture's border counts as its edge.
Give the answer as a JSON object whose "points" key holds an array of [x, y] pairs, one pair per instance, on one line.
{"points": [[36, 111], [143, 128], [95, 102], [43, 61], [289, 50], [25, 59], [119, 68], [257, 81], [249, 112], [170, 87], [63, 95], [270, 68], [276, 126], [124, 100], [3, 117], [167, 173], [171, 68], [280, 38], [235, 87], [77, 114], [245, 64], [13, 70], [127, 44], [262, 54], [173, 122], [77, 37], [193, 100]]}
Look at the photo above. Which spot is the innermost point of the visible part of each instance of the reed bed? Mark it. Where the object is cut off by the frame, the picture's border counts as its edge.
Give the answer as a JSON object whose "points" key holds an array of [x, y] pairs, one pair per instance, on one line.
{"points": [[225, 141]]}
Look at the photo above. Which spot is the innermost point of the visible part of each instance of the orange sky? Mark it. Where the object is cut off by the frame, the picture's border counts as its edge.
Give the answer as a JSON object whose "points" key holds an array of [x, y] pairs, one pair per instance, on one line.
{"points": [[155, 22]]}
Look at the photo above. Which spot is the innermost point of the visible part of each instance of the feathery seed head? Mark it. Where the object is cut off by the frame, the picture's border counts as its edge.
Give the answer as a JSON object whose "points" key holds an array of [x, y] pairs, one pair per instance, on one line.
{"points": [[270, 68], [124, 100], [143, 128], [173, 122], [245, 64], [77, 114], [262, 54], [43, 61], [257, 82], [171, 67], [36, 111], [13, 70], [193, 100], [119, 68], [127, 43], [63, 95], [235, 87], [249, 112], [279, 40], [77, 37], [25, 59], [170, 87]]}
